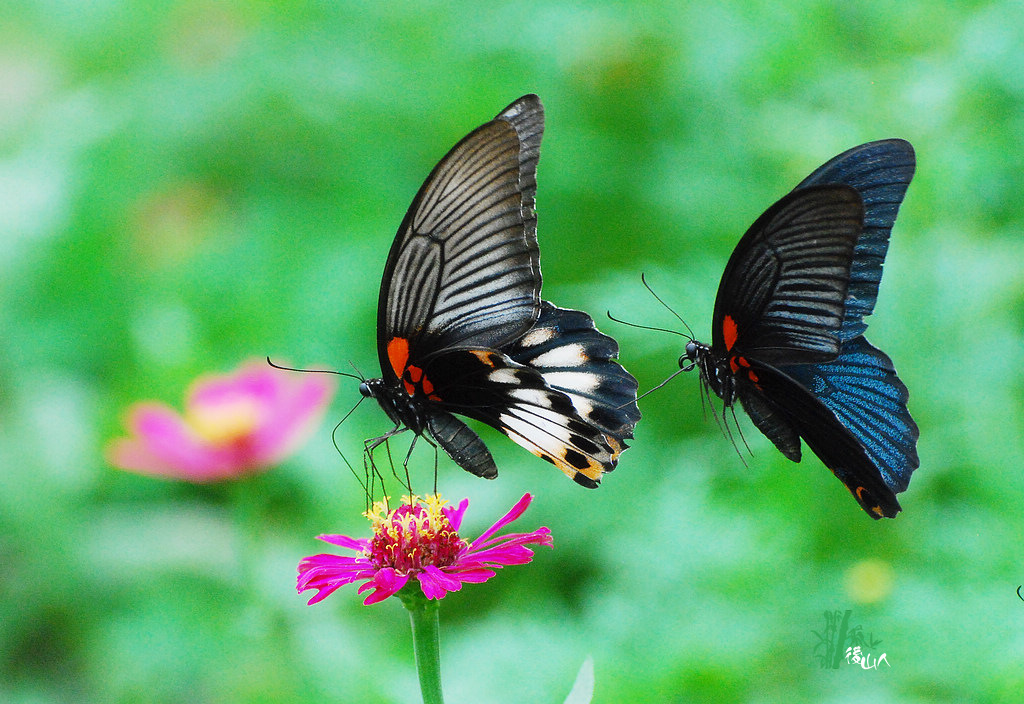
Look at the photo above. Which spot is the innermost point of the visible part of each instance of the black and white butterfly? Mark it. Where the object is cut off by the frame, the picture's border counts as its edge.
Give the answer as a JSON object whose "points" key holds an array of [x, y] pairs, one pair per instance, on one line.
{"points": [[461, 327], [787, 330]]}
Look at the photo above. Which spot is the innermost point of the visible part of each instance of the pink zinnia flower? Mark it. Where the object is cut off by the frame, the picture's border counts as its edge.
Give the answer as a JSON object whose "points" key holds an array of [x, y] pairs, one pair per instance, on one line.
{"points": [[420, 540], [234, 424]]}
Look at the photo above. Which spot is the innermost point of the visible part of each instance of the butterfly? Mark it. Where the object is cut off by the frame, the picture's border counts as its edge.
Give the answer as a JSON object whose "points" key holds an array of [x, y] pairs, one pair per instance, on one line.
{"points": [[461, 327], [788, 324]]}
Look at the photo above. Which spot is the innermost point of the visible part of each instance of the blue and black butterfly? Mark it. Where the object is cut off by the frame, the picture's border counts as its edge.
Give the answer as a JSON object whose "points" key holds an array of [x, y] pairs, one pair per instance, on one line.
{"points": [[788, 324], [461, 327]]}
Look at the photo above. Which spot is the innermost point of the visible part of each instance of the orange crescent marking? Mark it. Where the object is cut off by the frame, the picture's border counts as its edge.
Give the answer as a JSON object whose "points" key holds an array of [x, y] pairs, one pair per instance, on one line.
{"points": [[729, 332], [398, 354]]}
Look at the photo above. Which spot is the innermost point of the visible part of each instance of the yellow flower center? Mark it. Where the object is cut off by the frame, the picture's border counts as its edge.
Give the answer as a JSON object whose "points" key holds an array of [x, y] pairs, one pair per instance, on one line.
{"points": [[414, 535], [224, 423]]}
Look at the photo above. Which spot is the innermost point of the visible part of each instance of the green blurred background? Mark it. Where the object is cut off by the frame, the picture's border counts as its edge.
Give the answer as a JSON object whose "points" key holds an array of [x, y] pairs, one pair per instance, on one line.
{"points": [[186, 185]]}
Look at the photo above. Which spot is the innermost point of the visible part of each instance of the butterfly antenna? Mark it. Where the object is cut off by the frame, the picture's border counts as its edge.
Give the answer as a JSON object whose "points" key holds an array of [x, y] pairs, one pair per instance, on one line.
{"points": [[647, 327], [652, 390], [643, 278], [313, 371]]}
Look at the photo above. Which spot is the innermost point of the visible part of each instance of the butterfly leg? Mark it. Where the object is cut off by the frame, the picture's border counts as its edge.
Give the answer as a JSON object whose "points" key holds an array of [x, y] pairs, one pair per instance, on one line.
{"points": [[370, 466]]}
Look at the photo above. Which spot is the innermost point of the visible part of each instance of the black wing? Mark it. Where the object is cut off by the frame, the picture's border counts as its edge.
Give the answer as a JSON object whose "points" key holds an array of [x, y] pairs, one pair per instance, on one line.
{"points": [[852, 414], [881, 172], [782, 295], [464, 269]]}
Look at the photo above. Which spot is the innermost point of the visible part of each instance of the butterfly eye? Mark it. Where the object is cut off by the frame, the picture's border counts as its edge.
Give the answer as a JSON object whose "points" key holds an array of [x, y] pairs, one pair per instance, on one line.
{"points": [[691, 353], [364, 389]]}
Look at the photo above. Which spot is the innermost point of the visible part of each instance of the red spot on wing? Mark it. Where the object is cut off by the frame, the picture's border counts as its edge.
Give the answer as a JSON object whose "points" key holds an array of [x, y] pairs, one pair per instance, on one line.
{"points": [[736, 363], [729, 332], [398, 354]]}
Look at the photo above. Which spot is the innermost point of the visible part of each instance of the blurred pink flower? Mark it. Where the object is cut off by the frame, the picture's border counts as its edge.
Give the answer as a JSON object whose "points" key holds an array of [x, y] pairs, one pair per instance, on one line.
{"points": [[419, 539], [234, 425]]}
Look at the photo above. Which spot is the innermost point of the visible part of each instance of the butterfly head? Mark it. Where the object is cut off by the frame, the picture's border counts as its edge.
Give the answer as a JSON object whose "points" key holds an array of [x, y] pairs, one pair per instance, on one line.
{"points": [[696, 352], [688, 360]]}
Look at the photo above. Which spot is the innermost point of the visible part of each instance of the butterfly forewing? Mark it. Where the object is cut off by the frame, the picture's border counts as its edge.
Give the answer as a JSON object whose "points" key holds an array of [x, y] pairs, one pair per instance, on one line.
{"points": [[462, 329], [881, 172], [464, 268], [782, 294]]}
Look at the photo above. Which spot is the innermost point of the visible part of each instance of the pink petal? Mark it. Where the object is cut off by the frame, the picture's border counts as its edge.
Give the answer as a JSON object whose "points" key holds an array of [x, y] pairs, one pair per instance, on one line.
{"points": [[436, 583], [290, 405], [165, 446], [385, 583], [541, 536], [344, 541], [293, 418], [454, 515], [326, 573], [474, 574], [513, 513]]}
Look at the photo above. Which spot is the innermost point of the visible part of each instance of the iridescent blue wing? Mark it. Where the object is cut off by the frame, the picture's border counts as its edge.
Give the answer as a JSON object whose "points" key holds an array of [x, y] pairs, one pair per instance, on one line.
{"points": [[851, 412], [881, 172]]}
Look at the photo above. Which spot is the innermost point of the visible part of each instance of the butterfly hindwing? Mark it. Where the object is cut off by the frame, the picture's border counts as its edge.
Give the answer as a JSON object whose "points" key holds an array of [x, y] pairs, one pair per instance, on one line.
{"points": [[491, 387], [881, 172], [574, 357], [464, 268], [861, 389], [829, 435], [782, 294]]}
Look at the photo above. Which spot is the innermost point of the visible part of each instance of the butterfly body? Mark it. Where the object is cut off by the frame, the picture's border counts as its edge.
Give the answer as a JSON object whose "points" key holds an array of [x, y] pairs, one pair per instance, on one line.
{"points": [[787, 338], [462, 328]]}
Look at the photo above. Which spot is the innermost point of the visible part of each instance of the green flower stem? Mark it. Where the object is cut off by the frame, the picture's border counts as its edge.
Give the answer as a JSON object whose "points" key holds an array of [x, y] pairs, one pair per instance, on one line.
{"points": [[426, 638]]}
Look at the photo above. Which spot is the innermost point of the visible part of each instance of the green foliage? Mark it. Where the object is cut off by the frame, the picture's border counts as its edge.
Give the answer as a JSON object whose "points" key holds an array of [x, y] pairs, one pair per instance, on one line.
{"points": [[183, 186]]}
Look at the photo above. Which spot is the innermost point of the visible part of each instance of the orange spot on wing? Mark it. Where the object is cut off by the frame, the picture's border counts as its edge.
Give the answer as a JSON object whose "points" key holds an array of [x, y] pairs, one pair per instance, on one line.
{"points": [[729, 332], [485, 357], [398, 354]]}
